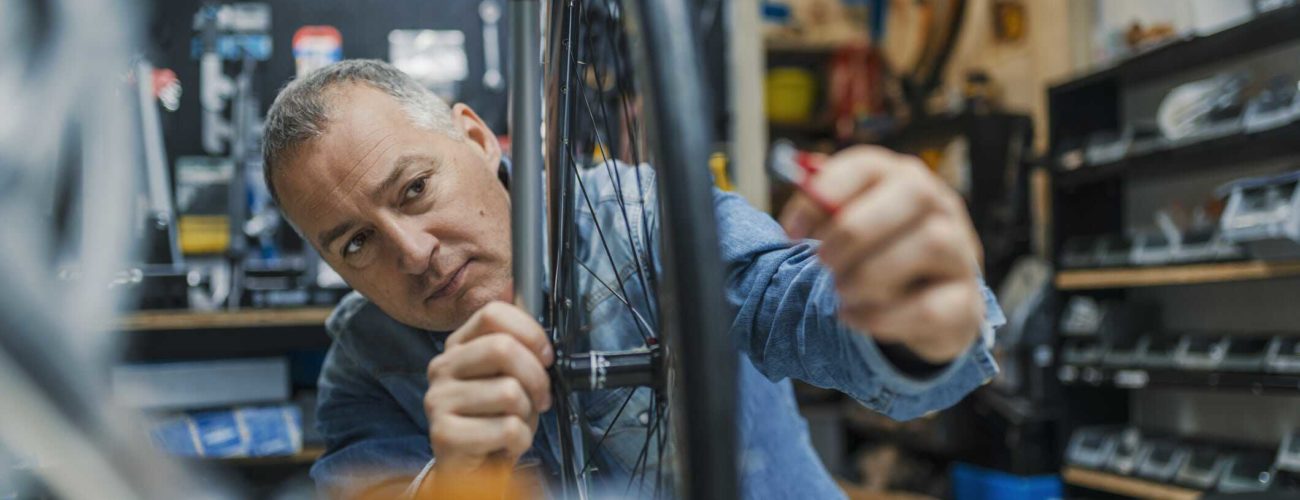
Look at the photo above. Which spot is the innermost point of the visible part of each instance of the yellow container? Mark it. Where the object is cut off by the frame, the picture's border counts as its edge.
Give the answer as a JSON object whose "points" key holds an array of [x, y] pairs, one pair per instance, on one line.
{"points": [[791, 95], [204, 234]]}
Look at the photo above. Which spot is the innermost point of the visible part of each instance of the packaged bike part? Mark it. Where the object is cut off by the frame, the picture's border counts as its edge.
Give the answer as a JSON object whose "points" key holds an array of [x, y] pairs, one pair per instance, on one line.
{"points": [[1252, 471], [1201, 352], [1203, 109], [1159, 352], [1288, 454], [1125, 352], [1163, 460], [1246, 354], [1083, 352], [1184, 236], [1284, 355], [1080, 252], [1263, 214], [1091, 447], [1203, 244], [1151, 248], [203, 203], [1203, 468], [1274, 106], [1113, 320], [1146, 138], [1107, 146], [1130, 448], [1115, 251], [1082, 317]]}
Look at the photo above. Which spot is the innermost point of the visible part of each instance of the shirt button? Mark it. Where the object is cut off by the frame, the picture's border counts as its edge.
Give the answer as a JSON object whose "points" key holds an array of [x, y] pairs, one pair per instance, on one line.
{"points": [[644, 418]]}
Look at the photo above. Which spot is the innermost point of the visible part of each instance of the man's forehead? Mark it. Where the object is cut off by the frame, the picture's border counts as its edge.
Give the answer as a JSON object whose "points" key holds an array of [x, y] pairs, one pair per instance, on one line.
{"points": [[362, 127], [366, 139]]}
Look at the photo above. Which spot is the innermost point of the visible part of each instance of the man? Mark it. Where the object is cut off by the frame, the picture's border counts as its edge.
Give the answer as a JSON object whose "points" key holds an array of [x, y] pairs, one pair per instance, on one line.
{"points": [[433, 374]]}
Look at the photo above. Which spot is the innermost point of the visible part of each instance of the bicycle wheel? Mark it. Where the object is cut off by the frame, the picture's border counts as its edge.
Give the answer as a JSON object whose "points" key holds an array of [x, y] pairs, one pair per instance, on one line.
{"points": [[625, 98]]}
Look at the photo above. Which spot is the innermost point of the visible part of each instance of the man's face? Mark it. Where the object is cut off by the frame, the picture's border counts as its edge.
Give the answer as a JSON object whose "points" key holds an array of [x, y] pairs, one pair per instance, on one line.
{"points": [[416, 221]]}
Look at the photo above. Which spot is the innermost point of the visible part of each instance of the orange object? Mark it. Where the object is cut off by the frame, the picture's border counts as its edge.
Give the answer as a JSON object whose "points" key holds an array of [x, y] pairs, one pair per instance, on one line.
{"points": [[315, 47]]}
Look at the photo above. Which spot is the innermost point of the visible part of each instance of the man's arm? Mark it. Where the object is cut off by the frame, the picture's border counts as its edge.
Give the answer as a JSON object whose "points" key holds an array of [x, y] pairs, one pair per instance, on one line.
{"points": [[373, 449], [788, 321], [485, 393]]}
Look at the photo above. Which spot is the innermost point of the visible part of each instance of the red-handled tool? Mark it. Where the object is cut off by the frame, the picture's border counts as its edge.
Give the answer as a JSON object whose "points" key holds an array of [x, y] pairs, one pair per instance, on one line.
{"points": [[798, 168]]}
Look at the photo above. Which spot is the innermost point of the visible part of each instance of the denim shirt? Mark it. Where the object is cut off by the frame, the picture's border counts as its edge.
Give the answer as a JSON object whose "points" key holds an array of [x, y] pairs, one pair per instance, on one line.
{"points": [[371, 388]]}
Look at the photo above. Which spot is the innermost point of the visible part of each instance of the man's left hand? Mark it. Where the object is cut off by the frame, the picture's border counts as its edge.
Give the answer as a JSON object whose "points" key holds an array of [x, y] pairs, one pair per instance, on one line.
{"points": [[901, 247]]}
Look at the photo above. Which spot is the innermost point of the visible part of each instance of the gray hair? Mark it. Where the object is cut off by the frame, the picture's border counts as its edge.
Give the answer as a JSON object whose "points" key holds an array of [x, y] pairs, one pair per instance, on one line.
{"points": [[301, 111]]}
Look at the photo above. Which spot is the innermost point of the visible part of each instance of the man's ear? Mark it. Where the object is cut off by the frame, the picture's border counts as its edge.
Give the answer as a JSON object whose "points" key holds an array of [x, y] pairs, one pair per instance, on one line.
{"points": [[479, 136]]}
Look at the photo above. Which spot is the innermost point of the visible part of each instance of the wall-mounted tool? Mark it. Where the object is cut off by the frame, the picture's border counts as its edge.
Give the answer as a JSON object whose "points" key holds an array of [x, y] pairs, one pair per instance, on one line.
{"points": [[490, 12]]}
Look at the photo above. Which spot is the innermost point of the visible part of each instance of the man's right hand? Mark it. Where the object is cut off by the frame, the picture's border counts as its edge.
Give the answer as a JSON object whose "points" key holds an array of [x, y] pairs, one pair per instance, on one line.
{"points": [[487, 388]]}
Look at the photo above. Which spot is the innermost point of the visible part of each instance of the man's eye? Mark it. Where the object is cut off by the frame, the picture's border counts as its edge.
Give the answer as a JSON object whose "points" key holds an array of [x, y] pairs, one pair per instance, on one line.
{"points": [[414, 189], [354, 244]]}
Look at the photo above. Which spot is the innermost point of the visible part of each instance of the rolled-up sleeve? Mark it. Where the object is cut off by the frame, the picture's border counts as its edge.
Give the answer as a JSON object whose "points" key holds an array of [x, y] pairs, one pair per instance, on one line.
{"points": [[786, 322]]}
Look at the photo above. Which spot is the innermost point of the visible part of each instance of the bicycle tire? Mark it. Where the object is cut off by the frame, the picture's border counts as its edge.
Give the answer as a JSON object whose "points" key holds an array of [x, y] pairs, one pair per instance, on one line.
{"points": [[700, 360]]}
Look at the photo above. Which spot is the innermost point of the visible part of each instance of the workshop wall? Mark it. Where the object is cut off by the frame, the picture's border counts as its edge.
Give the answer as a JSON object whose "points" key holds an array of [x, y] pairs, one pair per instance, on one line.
{"points": [[364, 25], [1023, 68]]}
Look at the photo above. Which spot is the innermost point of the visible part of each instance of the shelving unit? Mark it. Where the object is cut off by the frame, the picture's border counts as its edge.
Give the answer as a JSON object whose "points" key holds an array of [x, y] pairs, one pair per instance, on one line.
{"points": [[204, 335], [1129, 277], [1127, 486], [1116, 198]]}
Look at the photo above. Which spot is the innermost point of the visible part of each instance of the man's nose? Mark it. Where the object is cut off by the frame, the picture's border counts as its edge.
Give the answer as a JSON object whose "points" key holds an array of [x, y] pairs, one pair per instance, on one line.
{"points": [[415, 248]]}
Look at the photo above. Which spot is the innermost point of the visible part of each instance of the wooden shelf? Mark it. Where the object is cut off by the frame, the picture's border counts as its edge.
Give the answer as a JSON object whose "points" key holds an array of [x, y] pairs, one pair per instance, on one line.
{"points": [[306, 456], [1120, 485], [249, 318], [1130, 277]]}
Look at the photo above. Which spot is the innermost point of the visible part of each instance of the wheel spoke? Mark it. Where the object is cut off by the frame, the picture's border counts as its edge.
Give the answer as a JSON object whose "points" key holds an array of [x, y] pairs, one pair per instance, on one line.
{"points": [[613, 264], [663, 438], [640, 462], [640, 319], [610, 168], [591, 453], [630, 122], [612, 171]]}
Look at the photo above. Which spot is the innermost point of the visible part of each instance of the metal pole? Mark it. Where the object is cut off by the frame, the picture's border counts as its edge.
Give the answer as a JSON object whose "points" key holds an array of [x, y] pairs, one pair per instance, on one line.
{"points": [[155, 156], [526, 207]]}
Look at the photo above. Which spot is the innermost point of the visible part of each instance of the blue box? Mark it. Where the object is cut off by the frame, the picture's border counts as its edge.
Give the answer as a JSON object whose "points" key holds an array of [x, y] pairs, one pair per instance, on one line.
{"points": [[976, 483], [236, 432]]}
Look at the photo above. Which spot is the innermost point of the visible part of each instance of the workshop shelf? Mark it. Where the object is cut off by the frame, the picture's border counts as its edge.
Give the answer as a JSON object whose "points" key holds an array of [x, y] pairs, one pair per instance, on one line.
{"points": [[188, 335], [247, 318], [1127, 486], [1266, 30], [308, 455], [1131, 277], [1140, 378], [1207, 154]]}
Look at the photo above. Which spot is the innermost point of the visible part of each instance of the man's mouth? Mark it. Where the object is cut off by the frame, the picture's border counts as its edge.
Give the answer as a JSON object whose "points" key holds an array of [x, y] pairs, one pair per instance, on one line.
{"points": [[451, 284]]}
